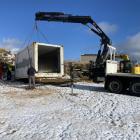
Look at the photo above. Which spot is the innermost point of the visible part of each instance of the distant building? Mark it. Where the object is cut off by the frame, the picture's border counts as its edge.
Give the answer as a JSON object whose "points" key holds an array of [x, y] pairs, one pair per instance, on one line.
{"points": [[88, 57]]}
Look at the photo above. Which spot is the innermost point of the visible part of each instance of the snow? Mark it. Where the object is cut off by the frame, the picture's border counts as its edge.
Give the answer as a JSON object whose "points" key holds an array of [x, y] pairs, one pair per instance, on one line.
{"points": [[53, 113]]}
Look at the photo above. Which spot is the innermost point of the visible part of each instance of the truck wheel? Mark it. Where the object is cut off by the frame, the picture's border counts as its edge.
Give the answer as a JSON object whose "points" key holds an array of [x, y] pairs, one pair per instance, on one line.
{"points": [[115, 86], [135, 87]]}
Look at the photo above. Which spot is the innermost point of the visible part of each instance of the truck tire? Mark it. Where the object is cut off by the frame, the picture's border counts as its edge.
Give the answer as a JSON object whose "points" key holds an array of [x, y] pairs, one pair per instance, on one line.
{"points": [[135, 87], [115, 86]]}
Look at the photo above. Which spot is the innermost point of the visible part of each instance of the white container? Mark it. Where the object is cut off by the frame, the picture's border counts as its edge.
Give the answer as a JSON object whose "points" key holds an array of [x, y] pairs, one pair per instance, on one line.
{"points": [[47, 59], [111, 66]]}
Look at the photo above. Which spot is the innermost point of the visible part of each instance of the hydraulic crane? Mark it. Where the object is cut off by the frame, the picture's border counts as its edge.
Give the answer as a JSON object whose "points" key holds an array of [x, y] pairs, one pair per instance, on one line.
{"points": [[103, 53], [105, 66]]}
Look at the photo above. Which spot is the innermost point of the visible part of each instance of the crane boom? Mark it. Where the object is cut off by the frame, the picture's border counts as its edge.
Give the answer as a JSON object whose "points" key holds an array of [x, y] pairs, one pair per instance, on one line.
{"points": [[103, 53], [61, 17]]}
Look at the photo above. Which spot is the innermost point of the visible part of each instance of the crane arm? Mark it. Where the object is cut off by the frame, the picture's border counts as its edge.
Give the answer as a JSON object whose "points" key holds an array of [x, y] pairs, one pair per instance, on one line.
{"points": [[61, 17], [86, 20]]}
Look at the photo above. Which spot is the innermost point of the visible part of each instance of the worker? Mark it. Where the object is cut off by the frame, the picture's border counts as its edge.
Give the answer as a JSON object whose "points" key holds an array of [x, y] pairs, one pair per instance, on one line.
{"points": [[31, 76], [90, 70], [9, 75], [1, 70], [5, 69]]}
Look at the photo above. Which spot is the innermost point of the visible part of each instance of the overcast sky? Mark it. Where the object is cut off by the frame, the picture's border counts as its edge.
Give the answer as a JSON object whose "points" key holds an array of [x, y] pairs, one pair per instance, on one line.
{"points": [[119, 19]]}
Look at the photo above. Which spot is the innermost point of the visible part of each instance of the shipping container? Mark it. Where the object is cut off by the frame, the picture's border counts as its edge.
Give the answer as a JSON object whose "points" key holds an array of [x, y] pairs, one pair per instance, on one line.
{"points": [[47, 59]]}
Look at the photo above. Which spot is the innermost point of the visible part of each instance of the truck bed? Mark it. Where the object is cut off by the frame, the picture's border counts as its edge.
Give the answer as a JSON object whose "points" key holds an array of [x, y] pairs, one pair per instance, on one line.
{"points": [[123, 75]]}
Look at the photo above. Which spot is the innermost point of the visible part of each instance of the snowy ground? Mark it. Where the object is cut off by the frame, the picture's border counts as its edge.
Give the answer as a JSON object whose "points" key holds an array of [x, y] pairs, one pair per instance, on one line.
{"points": [[53, 113]]}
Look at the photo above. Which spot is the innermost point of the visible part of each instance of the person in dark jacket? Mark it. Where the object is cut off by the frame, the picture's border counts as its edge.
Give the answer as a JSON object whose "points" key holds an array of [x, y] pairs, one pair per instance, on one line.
{"points": [[31, 76], [9, 75]]}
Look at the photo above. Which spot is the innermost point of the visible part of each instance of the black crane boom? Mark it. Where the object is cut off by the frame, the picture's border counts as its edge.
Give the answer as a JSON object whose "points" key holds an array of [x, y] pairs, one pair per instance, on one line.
{"points": [[61, 17], [103, 53]]}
